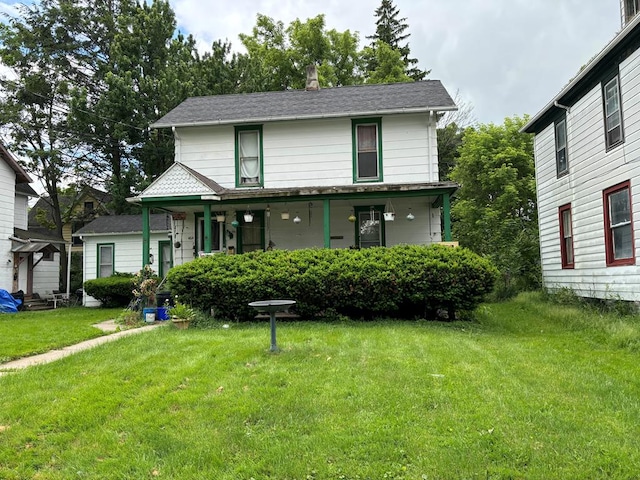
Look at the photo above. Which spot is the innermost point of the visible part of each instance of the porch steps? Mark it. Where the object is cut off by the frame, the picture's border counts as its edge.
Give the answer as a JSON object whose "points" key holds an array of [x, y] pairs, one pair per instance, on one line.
{"points": [[34, 304]]}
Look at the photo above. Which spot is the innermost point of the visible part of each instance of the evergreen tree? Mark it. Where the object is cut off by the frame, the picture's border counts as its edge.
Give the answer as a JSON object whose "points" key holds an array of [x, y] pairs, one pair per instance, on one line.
{"points": [[392, 30]]}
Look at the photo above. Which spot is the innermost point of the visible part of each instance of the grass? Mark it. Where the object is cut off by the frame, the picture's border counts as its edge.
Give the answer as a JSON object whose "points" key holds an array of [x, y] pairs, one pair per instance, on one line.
{"points": [[29, 333], [528, 390]]}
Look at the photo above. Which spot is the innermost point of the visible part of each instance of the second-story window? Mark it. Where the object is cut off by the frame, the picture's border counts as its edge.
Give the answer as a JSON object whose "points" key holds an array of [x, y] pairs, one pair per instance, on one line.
{"points": [[614, 134], [562, 163], [367, 150], [249, 156]]}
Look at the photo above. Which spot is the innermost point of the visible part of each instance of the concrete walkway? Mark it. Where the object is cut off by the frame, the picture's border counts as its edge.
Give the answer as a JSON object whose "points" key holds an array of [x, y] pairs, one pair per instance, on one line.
{"points": [[53, 355]]}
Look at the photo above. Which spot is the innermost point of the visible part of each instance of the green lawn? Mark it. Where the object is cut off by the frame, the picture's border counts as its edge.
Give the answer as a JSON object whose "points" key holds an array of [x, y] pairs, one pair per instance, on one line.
{"points": [[526, 391], [28, 333]]}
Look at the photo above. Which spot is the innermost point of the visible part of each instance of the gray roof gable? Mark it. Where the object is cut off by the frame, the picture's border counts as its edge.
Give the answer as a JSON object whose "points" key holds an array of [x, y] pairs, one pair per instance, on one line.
{"points": [[120, 224], [359, 100]]}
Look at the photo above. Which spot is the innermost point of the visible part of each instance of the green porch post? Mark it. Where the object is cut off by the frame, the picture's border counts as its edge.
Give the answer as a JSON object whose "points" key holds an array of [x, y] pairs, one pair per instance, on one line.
{"points": [[446, 213], [146, 237], [327, 222], [207, 228]]}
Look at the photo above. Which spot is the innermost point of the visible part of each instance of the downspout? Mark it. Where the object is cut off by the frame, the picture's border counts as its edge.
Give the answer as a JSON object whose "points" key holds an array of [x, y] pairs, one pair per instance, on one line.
{"points": [[69, 270], [556, 104], [429, 172], [146, 237]]}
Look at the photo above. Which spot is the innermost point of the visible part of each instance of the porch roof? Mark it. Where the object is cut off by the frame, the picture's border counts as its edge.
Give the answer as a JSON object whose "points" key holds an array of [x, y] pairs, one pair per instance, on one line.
{"points": [[243, 195]]}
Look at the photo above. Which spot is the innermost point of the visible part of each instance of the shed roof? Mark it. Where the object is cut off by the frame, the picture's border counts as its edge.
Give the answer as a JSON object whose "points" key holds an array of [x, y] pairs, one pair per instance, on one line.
{"points": [[119, 224], [349, 101]]}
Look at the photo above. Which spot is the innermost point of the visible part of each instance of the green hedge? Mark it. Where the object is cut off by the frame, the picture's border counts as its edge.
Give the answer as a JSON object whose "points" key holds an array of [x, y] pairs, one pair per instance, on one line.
{"points": [[114, 291], [405, 281]]}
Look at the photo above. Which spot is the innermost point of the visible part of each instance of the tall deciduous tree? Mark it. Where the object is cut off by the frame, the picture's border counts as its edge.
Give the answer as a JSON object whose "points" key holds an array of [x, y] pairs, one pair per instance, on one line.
{"points": [[39, 48], [392, 31], [277, 57], [495, 210], [451, 128]]}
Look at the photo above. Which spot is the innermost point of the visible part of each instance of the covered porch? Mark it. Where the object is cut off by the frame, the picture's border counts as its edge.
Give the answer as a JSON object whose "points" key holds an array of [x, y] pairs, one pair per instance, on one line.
{"points": [[244, 220]]}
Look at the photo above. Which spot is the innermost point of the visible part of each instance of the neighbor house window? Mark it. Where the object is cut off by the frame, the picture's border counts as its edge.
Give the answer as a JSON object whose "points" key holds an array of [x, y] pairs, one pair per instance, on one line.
{"points": [[562, 164], [249, 156], [88, 208], [614, 134], [367, 150], [105, 260], [618, 225], [566, 236]]}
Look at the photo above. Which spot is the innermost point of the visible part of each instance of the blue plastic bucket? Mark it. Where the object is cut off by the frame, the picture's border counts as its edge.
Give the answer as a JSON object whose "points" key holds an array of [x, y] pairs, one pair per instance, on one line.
{"points": [[149, 315], [162, 313]]}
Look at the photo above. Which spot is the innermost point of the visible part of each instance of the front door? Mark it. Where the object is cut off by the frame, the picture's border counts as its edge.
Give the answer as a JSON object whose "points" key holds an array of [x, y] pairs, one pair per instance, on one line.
{"points": [[251, 234], [369, 226], [165, 262]]}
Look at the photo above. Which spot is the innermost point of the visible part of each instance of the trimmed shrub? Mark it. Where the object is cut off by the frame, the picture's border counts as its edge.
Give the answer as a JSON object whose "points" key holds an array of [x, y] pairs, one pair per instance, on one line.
{"points": [[114, 291], [405, 281]]}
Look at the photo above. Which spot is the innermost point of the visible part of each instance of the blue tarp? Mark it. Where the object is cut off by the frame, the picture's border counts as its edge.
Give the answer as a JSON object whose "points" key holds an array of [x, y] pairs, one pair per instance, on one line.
{"points": [[8, 304]]}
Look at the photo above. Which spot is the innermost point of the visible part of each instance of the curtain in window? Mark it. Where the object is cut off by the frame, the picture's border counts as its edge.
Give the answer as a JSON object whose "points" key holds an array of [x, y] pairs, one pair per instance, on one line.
{"points": [[249, 157], [367, 138]]}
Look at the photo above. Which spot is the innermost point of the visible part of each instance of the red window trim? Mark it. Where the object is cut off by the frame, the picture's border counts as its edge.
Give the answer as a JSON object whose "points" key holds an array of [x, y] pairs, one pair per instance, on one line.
{"points": [[608, 237], [563, 247]]}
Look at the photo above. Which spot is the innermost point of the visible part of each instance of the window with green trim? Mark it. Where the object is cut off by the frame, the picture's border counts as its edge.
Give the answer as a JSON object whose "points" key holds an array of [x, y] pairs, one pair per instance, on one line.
{"points": [[105, 259], [367, 150], [249, 156]]}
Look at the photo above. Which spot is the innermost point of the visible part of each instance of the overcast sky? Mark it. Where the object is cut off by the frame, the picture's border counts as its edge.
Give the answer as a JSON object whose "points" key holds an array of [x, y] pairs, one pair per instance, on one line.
{"points": [[504, 57]]}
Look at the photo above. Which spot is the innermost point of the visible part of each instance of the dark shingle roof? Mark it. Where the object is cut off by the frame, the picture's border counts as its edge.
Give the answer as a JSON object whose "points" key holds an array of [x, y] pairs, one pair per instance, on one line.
{"points": [[359, 100], [125, 224], [26, 189]]}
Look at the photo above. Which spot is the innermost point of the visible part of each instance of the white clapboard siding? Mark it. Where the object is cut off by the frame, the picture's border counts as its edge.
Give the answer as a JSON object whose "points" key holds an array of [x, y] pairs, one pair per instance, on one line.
{"points": [[127, 253], [591, 170], [307, 153], [7, 199]]}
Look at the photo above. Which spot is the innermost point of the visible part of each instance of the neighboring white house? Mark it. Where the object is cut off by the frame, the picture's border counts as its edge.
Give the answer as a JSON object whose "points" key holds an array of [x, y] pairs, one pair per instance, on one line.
{"points": [[304, 168], [587, 159], [30, 260], [113, 243]]}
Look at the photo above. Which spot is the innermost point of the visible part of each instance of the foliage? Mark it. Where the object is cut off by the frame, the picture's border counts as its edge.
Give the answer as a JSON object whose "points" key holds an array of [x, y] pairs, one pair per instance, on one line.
{"points": [[277, 56], [527, 391], [388, 68], [405, 281], [495, 212], [181, 310], [145, 283], [114, 291], [129, 319], [451, 128], [390, 30]]}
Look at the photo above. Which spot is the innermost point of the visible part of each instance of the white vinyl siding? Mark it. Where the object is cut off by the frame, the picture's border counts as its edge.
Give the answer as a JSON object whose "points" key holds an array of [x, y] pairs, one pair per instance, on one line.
{"points": [[314, 152], [593, 169]]}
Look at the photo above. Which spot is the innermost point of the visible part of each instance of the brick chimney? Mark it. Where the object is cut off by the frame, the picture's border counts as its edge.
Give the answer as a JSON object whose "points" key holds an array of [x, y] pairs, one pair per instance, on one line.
{"points": [[312, 79]]}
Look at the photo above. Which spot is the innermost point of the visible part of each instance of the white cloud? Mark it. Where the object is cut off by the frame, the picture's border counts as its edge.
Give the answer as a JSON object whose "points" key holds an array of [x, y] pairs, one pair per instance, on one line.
{"points": [[505, 57]]}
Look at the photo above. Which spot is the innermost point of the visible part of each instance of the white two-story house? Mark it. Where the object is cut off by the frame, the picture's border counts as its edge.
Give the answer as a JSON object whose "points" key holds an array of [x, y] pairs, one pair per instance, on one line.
{"points": [[587, 159], [29, 259], [303, 168]]}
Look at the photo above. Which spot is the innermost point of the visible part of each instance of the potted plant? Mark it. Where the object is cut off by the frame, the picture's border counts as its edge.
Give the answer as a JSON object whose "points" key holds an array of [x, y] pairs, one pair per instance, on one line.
{"points": [[145, 283], [181, 314]]}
